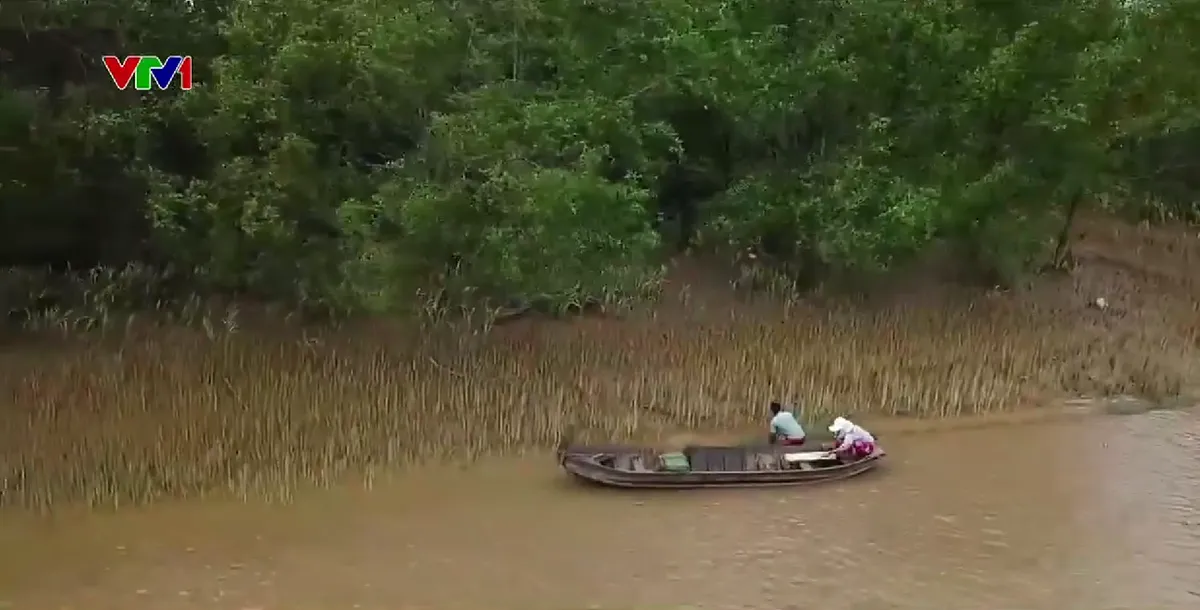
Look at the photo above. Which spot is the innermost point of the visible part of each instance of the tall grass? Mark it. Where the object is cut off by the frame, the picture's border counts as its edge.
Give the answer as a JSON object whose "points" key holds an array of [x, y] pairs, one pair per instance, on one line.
{"points": [[144, 411]]}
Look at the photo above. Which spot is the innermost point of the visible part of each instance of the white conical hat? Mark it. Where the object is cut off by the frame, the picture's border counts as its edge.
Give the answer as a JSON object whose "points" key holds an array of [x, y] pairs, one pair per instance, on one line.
{"points": [[840, 424]]}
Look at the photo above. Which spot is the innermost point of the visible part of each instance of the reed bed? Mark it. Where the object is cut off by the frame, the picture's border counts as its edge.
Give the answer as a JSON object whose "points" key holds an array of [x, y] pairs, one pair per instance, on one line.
{"points": [[138, 413]]}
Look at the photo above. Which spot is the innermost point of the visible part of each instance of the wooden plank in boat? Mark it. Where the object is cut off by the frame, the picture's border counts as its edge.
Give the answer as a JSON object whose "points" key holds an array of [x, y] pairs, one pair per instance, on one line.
{"points": [[808, 456]]}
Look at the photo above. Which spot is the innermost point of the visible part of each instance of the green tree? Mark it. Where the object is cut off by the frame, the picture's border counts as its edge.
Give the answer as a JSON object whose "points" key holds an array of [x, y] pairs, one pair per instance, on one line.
{"points": [[352, 155]]}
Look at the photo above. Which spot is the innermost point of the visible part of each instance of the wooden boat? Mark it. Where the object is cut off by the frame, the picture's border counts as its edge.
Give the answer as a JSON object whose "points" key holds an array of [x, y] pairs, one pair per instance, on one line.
{"points": [[727, 466]]}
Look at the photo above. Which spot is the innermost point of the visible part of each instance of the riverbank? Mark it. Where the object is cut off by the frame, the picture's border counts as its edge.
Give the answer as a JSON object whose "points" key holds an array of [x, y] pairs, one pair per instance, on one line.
{"points": [[260, 412]]}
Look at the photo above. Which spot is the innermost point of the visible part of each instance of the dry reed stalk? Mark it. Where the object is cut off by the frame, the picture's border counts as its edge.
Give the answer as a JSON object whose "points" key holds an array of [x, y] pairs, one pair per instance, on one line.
{"points": [[180, 412]]}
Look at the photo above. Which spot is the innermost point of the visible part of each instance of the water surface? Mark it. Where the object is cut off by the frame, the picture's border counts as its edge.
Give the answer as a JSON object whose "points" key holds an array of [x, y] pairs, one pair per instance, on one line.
{"points": [[1095, 514]]}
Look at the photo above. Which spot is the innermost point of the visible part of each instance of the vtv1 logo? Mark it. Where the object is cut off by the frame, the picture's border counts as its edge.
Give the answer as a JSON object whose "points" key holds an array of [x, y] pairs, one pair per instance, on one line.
{"points": [[147, 71]]}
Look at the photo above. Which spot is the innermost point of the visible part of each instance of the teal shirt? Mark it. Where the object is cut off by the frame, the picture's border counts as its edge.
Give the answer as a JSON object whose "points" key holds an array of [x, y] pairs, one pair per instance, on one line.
{"points": [[785, 424]]}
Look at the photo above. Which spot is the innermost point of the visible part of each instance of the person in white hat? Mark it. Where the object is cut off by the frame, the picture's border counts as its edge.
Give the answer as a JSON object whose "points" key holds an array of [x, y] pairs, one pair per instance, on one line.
{"points": [[851, 441]]}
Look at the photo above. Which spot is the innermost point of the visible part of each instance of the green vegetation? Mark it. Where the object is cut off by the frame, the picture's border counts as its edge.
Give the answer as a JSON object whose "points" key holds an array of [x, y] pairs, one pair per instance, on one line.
{"points": [[354, 156]]}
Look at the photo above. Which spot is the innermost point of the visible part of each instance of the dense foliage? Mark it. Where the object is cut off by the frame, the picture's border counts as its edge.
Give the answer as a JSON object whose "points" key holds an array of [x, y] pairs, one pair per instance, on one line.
{"points": [[356, 154]]}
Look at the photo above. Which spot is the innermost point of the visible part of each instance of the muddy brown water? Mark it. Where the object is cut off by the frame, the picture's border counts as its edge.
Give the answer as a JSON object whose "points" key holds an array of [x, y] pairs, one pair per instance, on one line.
{"points": [[1095, 514]]}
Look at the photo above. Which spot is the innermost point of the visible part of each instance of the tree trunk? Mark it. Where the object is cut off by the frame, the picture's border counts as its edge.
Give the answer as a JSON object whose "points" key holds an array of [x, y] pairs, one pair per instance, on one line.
{"points": [[1061, 248]]}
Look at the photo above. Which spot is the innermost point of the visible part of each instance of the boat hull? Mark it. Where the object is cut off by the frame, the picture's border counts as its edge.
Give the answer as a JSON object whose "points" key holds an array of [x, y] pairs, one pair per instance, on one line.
{"points": [[733, 467]]}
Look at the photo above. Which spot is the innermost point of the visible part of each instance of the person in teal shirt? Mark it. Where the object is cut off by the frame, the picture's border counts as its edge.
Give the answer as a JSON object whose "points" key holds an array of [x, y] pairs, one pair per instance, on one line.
{"points": [[785, 428]]}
